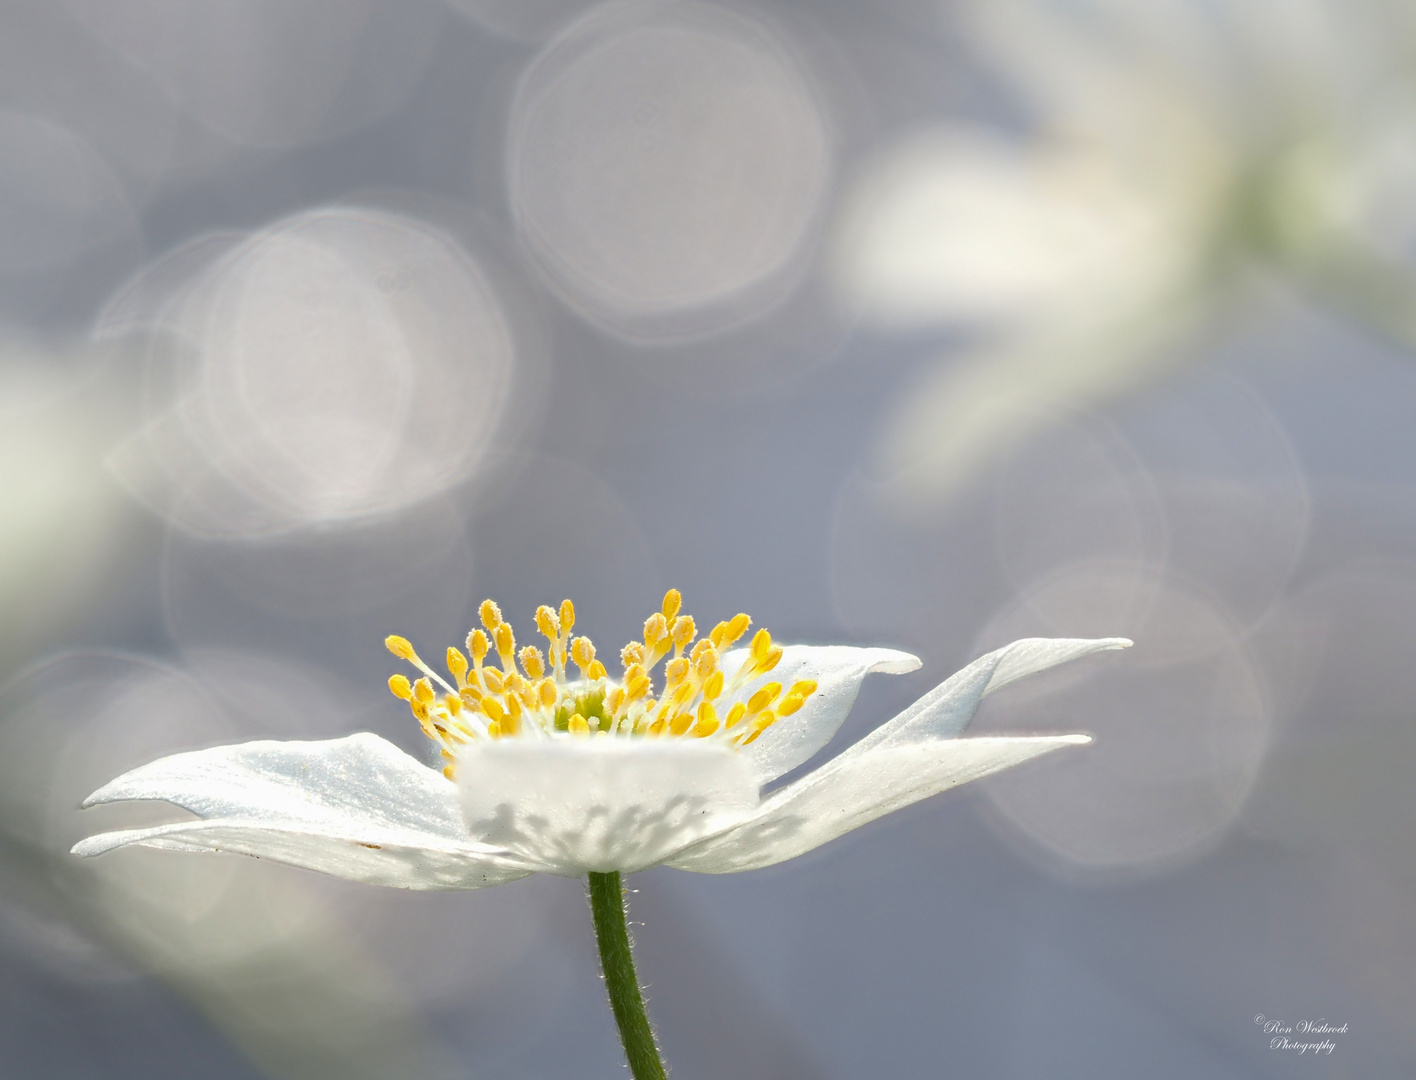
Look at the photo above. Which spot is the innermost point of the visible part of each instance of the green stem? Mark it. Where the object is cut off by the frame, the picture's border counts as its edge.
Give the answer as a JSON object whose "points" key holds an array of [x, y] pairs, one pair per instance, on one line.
{"points": [[607, 904]]}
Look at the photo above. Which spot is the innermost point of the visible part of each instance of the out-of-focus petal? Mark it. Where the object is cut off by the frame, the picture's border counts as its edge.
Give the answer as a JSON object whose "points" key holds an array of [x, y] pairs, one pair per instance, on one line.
{"points": [[967, 414], [864, 787], [570, 806], [961, 223], [837, 671], [360, 851]]}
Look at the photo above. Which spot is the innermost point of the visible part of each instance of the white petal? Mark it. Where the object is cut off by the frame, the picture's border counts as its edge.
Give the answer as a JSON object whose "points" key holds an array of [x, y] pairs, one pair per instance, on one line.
{"points": [[838, 671], [401, 858], [947, 709], [572, 804], [328, 806], [908, 758], [819, 808]]}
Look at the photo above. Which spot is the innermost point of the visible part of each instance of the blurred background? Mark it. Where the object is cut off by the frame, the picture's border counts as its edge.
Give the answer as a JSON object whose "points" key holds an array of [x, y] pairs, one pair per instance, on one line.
{"points": [[924, 323]]}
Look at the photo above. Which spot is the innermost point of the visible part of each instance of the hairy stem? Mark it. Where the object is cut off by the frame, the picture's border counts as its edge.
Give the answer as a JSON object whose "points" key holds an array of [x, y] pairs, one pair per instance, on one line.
{"points": [[607, 904]]}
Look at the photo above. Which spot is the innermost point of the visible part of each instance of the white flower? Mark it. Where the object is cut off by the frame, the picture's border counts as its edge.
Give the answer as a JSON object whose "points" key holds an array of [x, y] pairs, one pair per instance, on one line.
{"points": [[551, 774], [1179, 154]]}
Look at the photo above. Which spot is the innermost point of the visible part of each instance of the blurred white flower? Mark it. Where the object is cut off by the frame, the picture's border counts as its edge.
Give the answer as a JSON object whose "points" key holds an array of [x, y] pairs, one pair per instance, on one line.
{"points": [[568, 776], [1180, 155]]}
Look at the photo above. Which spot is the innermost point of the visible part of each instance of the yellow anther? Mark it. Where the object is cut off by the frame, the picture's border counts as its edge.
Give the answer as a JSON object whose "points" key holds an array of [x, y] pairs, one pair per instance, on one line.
{"points": [[506, 644], [567, 616], [532, 662], [494, 730], [614, 700], [762, 723], [683, 694], [803, 688], [680, 723], [658, 727], [656, 627], [452, 703], [477, 645], [457, 664], [400, 687], [423, 691], [547, 623], [493, 678], [790, 704], [684, 631], [450, 771], [492, 707], [707, 720], [490, 614], [736, 627], [704, 658], [761, 645], [638, 687], [596, 670], [713, 687], [401, 647], [764, 697], [676, 670], [470, 695], [631, 654], [768, 662], [582, 651], [673, 600], [513, 683], [736, 713], [420, 709], [578, 725], [546, 692]]}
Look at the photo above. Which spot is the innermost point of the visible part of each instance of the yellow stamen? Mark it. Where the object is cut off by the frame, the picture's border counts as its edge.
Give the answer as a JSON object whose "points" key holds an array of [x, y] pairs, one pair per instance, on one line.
{"points": [[477, 645], [457, 664], [547, 623], [707, 720], [506, 645], [764, 697], [713, 688], [761, 645], [673, 600], [529, 693], [546, 693], [490, 614], [680, 723], [684, 631], [401, 647], [582, 651]]}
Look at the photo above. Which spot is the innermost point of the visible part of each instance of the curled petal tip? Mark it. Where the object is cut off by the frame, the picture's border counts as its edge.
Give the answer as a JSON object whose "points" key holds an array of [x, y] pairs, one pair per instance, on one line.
{"points": [[898, 663], [1077, 739], [1121, 642]]}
